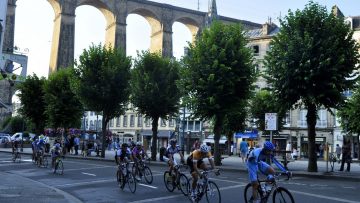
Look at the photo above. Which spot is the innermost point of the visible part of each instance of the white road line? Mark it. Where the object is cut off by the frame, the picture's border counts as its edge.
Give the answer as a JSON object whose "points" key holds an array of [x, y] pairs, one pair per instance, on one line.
{"points": [[349, 187], [86, 183], [87, 168], [181, 195], [89, 174], [324, 197], [153, 187]]}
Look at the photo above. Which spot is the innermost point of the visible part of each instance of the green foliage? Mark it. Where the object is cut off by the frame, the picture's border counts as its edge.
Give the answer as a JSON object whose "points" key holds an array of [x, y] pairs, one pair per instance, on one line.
{"points": [[63, 108], [5, 123], [101, 80], [17, 124], [312, 58], [350, 114], [154, 90], [32, 101], [265, 102], [219, 71]]}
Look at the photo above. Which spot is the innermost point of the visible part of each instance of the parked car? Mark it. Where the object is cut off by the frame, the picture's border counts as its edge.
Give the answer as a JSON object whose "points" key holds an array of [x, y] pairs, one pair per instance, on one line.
{"points": [[23, 136], [5, 138]]}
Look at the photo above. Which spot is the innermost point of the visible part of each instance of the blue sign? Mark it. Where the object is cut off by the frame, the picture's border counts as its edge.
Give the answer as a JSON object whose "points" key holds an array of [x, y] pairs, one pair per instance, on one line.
{"points": [[253, 134]]}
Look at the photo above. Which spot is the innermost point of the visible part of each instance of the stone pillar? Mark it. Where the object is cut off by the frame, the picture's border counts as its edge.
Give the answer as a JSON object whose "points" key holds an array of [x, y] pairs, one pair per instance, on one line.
{"points": [[9, 27], [62, 50], [161, 37], [116, 35]]}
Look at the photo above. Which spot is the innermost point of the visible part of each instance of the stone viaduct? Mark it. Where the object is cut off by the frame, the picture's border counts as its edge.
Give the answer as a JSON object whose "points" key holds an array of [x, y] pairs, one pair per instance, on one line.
{"points": [[160, 17]]}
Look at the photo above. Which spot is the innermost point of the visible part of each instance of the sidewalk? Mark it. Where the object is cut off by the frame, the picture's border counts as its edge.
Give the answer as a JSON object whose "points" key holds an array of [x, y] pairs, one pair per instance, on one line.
{"points": [[234, 163]]}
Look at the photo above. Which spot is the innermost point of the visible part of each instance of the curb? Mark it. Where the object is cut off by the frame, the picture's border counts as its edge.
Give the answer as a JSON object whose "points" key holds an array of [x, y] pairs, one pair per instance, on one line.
{"points": [[318, 175]]}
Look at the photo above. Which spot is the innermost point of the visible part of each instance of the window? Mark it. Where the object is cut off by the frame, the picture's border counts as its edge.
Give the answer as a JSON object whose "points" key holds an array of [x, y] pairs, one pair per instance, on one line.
{"points": [[191, 125], [132, 120], [163, 122], [91, 125], [100, 124], [256, 50], [118, 122], [287, 119], [197, 125], [139, 120], [112, 123], [302, 118], [322, 118], [125, 121], [147, 122], [171, 122]]}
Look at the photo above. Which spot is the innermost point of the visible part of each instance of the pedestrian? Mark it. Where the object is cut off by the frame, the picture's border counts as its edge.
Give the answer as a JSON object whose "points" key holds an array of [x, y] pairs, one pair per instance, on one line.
{"points": [[321, 151], [346, 155], [288, 150], [243, 150], [338, 152], [196, 145], [76, 144]]}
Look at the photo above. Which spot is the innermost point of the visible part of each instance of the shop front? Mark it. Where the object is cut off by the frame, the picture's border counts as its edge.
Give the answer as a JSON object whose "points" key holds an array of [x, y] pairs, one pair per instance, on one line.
{"points": [[249, 136], [319, 141]]}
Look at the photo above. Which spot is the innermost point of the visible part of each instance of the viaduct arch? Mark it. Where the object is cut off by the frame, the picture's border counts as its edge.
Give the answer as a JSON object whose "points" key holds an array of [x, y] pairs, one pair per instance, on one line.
{"points": [[160, 17]]}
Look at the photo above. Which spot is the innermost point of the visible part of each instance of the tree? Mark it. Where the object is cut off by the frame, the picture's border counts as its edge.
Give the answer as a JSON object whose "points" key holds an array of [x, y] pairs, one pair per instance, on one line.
{"points": [[154, 89], [265, 102], [310, 64], [63, 108], [350, 115], [218, 75], [32, 101], [101, 81]]}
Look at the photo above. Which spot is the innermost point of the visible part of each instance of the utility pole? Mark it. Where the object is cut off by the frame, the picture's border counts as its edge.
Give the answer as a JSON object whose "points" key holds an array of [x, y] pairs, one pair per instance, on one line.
{"points": [[198, 5]]}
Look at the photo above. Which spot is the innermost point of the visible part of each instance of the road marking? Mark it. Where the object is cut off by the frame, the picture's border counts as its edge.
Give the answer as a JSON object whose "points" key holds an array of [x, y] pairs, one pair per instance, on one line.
{"points": [[324, 197], [87, 168], [349, 187], [153, 187], [85, 183], [89, 174], [181, 195], [26, 160]]}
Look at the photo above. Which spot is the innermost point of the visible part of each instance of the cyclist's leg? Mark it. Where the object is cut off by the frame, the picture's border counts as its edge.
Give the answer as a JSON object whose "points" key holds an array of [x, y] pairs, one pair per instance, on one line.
{"points": [[252, 169]]}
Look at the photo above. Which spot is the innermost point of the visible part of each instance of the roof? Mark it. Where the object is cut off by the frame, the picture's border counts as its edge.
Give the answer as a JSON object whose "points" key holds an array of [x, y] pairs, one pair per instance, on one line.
{"points": [[257, 33], [161, 133]]}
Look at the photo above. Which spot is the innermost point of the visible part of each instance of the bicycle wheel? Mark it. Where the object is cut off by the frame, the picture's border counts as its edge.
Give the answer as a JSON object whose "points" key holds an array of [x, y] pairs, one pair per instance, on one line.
{"points": [[169, 181], [60, 168], [213, 193], [183, 183], [282, 195], [248, 193], [14, 157], [131, 182], [135, 171], [148, 175], [19, 157], [45, 162], [120, 179]]}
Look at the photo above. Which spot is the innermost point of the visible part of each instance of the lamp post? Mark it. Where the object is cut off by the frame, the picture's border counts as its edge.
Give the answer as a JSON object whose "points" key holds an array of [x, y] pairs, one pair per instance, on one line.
{"points": [[183, 129], [188, 142]]}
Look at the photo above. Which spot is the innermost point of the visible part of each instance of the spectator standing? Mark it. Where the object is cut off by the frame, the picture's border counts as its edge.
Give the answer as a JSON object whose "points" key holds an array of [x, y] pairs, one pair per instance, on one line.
{"points": [[288, 149], [76, 144], [338, 152], [346, 155], [243, 150], [196, 145]]}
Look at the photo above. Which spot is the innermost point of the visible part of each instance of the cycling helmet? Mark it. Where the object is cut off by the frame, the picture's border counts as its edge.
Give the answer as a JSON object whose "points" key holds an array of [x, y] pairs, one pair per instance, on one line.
{"points": [[204, 148], [132, 143], [269, 146], [173, 141], [124, 145], [138, 144], [57, 145]]}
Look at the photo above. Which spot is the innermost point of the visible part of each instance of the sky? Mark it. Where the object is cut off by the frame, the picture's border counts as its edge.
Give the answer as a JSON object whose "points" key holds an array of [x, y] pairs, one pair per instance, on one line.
{"points": [[34, 24]]}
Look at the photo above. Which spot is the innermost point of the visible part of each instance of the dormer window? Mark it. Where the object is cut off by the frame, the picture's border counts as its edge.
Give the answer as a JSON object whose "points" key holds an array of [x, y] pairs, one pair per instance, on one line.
{"points": [[256, 50]]}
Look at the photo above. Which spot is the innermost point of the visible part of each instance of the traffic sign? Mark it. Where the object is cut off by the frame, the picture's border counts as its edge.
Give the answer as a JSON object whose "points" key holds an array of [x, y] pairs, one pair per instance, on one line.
{"points": [[270, 121]]}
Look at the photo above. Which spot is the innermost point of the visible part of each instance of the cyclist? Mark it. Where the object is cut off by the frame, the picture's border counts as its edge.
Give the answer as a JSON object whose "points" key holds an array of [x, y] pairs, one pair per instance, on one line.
{"points": [[195, 161], [138, 153], [15, 145], [256, 161], [55, 152], [123, 154], [40, 145], [169, 154]]}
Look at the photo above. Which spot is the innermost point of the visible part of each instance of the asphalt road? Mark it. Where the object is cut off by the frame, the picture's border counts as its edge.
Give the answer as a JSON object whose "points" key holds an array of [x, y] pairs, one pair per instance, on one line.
{"points": [[94, 181]]}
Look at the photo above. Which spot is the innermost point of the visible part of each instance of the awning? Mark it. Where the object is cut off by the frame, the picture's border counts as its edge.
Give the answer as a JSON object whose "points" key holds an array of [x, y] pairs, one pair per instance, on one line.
{"points": [[160, 134], [221, 141], [247, 134]]}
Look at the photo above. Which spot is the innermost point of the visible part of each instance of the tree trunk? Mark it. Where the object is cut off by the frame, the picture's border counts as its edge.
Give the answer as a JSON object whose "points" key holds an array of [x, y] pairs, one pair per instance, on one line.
{"points": [[311, 122], [217, 135], [358, 145], [154, 140], [229, 138], [103, 145]]}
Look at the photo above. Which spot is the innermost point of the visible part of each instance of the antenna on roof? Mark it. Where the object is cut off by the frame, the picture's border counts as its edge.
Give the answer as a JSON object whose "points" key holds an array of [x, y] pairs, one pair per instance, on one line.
{"points": [[198, 4]]}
